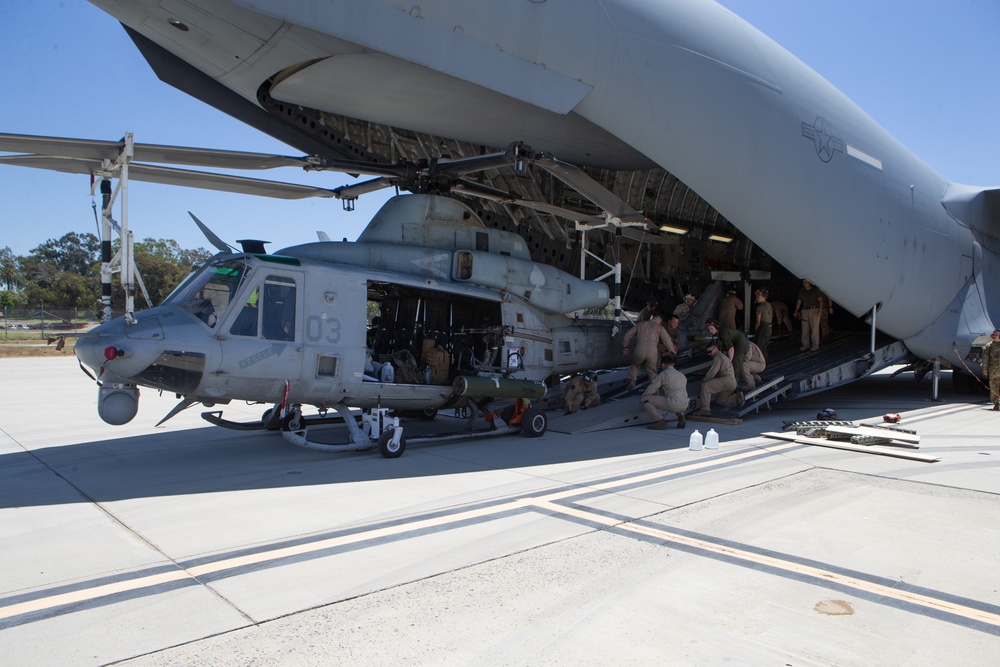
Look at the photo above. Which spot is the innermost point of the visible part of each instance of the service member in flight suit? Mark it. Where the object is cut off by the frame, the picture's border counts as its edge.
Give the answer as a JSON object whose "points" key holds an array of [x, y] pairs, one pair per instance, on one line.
{"points": [[765, 315], [581, 392], [732, 342], [728, 308], [674, 386], [753, 366], [683, 310], [719, 380], [648, 335], [807, 309]]}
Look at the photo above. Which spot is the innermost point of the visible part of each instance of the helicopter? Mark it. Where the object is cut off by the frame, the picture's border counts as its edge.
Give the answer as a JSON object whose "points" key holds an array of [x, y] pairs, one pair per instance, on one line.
{"points": [[462, 314]]}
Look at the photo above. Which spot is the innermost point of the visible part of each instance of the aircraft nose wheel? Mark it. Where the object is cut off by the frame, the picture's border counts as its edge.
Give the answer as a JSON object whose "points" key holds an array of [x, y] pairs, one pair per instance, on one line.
{"points": [[389, 447]]}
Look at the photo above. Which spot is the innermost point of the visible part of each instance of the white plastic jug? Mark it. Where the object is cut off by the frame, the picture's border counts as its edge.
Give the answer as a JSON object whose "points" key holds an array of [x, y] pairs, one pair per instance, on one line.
{"points": [[711, 439], [694, 442], [388, 373]]}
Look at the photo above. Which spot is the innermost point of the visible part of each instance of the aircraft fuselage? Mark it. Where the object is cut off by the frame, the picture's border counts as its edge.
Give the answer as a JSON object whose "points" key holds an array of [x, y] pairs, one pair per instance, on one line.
{"points": [[687, 85]]}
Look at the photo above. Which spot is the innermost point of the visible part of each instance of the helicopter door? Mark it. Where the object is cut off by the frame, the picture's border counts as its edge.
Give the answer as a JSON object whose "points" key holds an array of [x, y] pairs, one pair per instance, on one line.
{"points": [[262, 349]]}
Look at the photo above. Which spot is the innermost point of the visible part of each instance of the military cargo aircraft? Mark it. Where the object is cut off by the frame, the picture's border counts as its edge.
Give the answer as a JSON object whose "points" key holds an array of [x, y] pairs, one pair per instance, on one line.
{"points": [[622, 87]]}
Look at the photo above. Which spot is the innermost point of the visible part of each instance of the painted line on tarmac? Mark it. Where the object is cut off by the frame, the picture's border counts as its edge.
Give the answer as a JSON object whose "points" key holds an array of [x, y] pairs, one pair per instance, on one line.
{"points": [[962, 611], [557, 504], [45, 603], [966, 612]]}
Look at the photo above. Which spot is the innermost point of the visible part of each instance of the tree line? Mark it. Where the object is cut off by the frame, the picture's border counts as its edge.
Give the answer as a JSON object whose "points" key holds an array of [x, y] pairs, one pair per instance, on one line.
{"points": [[66, 272]]}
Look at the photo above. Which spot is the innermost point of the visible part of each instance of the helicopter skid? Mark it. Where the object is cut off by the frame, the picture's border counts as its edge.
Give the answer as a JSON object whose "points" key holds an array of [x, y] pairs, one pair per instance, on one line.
{"points": [[214, 417], [301, 439]]}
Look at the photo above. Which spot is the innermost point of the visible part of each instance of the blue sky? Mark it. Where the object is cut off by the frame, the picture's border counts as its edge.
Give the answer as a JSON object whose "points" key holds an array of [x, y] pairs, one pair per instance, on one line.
{"points": [[925, 70]]}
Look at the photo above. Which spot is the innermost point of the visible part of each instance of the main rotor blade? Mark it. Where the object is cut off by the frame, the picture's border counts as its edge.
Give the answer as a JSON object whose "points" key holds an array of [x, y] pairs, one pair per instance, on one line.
{"points": [[110, 150], [355, 190], [578, 180], [467, 165], [485, 192], [169, 176]]}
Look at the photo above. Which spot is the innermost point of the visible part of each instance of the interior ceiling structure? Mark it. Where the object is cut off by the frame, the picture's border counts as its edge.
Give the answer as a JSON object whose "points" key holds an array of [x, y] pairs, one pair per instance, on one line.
{"points": [[663, 198], [658, 194]]}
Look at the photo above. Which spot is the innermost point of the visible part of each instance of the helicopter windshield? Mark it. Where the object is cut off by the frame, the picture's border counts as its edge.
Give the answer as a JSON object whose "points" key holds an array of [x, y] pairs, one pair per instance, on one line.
{"points": [[208, 292]]}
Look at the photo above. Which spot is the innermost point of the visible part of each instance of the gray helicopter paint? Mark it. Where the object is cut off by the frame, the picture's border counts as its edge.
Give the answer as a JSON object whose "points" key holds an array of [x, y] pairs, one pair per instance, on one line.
{"points": [[221, 325], [408, 234]]}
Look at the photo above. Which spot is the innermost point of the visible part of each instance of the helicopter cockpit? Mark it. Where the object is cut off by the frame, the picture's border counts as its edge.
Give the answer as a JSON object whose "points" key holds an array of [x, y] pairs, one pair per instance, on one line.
{"points": [[208, 292]]}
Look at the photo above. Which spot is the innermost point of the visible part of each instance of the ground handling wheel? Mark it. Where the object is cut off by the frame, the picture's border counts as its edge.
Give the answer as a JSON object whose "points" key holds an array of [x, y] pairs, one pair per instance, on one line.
{"points": [[534, 422], [293, 421], [387, 446]]}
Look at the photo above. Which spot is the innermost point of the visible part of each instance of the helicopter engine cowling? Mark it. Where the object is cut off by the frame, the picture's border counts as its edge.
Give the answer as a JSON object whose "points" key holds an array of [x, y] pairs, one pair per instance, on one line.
{"points": [[541, 285]]}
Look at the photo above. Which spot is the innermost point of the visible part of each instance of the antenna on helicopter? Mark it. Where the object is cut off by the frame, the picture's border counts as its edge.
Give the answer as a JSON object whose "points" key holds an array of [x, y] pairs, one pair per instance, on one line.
{"points": [[221, 245]]}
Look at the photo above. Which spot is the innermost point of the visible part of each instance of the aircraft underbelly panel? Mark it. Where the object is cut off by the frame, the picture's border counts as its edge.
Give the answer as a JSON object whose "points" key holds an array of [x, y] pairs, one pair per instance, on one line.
{"points": [[407, 35], [396, 95]]}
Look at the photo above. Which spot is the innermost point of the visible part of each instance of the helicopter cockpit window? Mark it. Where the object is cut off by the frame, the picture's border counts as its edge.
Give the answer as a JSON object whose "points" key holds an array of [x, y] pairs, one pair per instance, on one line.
{"points": [[279, 308], [208, 293], [246, 323]]}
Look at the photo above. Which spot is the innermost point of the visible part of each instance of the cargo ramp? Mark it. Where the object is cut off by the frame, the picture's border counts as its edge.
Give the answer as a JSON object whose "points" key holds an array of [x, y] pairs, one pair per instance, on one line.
{"points": [[843, 358]]}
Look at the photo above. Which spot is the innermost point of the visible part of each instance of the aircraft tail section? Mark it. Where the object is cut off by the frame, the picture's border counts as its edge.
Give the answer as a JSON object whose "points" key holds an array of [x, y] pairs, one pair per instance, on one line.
{"points": [[976, 308], [976, 207]]}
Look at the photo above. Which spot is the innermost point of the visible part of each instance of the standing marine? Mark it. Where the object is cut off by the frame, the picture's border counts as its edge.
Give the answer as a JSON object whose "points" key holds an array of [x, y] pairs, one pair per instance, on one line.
{"points": [[765, 315], [648, 336]]}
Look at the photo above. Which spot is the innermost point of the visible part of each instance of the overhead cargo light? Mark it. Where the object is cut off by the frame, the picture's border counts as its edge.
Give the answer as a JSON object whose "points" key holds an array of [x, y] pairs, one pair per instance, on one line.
{"points": [[720, 238], [670, 229]]}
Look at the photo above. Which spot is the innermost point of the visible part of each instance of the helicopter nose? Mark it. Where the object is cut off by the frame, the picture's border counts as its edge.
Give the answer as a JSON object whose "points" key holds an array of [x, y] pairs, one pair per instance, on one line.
{"points": [[91, 347], [120, 348]]}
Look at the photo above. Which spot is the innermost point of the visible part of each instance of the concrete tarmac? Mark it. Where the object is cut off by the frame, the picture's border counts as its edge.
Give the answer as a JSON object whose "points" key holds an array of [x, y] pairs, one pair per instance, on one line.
{"points": [[191, 544]]}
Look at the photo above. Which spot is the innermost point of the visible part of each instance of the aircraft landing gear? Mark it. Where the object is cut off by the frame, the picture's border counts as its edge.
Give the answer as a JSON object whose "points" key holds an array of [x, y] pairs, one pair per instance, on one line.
{"points": [[392, 443], [292, 419], [378, 429], [534, 423]]}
